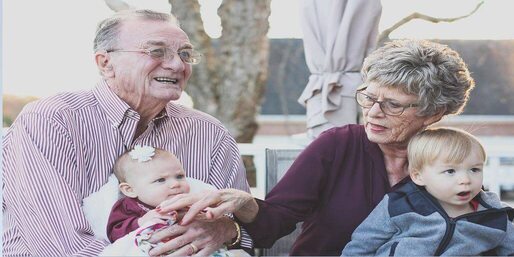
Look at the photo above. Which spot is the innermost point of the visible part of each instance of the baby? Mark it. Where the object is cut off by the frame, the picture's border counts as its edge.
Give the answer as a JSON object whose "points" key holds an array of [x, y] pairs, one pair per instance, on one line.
{"points": [[147, 177], [443, 211]]}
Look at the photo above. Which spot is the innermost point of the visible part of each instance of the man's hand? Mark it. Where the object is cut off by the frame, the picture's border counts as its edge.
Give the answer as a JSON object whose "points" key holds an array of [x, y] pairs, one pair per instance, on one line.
{"points": [[154, 217], [205, 236]]}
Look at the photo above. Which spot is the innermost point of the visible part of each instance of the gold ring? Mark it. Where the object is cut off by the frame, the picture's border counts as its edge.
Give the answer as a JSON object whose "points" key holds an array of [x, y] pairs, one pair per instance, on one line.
{"points": [[194, 248]]}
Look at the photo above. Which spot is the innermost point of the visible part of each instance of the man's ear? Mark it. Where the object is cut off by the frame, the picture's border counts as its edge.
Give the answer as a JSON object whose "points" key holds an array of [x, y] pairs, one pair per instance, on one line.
{"points": [[103, 62], [417, 177], [127, 190]]}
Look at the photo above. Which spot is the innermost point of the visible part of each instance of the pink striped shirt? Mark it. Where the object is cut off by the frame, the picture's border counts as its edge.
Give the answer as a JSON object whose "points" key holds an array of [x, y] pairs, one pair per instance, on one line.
{"points": [[62, 148]]}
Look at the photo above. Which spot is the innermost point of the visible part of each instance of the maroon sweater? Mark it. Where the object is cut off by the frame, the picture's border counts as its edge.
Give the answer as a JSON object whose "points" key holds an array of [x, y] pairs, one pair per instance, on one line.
{"points": [[332, 187], [123, 218]]}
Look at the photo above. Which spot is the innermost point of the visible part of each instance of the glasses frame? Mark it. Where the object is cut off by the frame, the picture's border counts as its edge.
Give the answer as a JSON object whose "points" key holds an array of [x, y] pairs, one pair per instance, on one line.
{"points": [[148, 52], [374, 100]]}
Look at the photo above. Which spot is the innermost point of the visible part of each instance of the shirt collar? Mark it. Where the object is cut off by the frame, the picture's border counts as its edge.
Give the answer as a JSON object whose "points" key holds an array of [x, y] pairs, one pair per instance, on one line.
{"points": [[114, 107], [162, 114], [474, 204]]}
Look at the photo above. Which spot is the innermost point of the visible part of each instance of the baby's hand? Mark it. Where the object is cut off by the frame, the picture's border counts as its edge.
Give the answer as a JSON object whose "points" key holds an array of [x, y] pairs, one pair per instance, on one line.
{"points": [[153, 217]]}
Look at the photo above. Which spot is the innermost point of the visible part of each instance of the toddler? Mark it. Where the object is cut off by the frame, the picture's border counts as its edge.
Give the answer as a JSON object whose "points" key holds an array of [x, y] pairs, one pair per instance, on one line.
{"points": [[443, 211]]}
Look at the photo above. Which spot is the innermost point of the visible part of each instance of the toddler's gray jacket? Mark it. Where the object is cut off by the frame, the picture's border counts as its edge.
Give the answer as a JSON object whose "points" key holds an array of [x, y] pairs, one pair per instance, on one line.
{"points": [[409, 221]]}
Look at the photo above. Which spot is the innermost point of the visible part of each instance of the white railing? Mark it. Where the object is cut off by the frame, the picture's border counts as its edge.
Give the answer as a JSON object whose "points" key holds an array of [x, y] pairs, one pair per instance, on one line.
{"points": [[498, 173]]}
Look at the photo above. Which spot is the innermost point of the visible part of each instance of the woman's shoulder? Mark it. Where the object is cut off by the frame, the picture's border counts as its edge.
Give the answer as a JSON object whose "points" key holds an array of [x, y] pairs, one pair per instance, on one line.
{"points": [[344, 131], [337, 141], [347, 133]]}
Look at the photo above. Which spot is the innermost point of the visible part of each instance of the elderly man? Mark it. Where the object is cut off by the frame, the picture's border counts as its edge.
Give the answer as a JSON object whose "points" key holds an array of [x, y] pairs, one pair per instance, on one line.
{"points": [[62, 148]]}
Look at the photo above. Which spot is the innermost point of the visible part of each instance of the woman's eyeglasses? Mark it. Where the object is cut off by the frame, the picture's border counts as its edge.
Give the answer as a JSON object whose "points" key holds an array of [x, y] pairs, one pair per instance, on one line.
{"points": [[388, 107]]}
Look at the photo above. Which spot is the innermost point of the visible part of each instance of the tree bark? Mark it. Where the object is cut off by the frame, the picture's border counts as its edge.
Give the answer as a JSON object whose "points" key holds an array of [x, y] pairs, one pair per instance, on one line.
{"points": [[229, 82], [202, 86]]}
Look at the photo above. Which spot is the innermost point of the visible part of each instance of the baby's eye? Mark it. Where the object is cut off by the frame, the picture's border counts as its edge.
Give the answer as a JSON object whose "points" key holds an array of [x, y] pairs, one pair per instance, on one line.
{"points": [[160, 180], [449, 171], [180, 176]]}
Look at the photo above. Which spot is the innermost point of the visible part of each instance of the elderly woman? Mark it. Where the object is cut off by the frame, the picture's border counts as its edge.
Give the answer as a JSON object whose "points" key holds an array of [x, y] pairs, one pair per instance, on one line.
{"points": [[341, 176]]}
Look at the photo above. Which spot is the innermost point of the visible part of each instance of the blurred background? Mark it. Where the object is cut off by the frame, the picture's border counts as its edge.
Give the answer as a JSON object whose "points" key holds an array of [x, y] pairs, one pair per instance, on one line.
{"points": [[47, 48]]}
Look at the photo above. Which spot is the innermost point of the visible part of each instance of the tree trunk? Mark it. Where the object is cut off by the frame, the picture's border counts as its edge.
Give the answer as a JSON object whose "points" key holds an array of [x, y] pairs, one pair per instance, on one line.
{"points": [[205, 97], [230, 84]]}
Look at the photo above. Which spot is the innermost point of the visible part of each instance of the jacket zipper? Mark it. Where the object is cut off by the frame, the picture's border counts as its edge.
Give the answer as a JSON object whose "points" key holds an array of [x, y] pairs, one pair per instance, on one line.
{"points": [[451, 224], [448, 234]]}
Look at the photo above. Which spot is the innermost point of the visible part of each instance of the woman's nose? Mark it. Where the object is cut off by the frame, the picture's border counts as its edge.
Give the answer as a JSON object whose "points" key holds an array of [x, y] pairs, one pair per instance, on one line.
{"points": [[375, 110]]}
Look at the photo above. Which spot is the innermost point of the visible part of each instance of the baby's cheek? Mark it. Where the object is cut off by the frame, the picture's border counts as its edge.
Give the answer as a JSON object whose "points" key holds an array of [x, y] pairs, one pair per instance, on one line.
{"points": [[186, 188]]}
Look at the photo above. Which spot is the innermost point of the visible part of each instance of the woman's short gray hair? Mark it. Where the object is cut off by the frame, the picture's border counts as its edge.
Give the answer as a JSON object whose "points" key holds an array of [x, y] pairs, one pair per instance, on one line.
{"points": [[108, 29], [433, 72]]}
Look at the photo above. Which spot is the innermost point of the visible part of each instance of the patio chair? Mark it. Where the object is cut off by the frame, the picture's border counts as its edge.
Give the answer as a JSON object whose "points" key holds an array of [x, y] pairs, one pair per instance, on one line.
{"points": [[278, 162]]}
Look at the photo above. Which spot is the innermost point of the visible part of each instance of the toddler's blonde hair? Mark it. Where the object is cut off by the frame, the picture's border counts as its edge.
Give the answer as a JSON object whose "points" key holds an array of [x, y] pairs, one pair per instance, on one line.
{"points": [[454, 145]]}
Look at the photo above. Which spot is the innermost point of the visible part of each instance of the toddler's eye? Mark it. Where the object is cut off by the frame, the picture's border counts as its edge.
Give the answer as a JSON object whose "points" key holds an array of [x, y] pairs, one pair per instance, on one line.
{"points": [[180, 176], [476, 170], [450, 171]]}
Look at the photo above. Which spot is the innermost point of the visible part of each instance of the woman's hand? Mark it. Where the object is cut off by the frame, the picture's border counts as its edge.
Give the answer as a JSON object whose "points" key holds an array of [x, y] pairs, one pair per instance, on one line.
{"points": [[212, 205], [200, 238]]}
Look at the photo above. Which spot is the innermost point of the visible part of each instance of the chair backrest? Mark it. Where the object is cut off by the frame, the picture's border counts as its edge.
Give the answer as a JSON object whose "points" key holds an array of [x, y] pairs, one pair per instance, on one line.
{"points": [[278, 162]]}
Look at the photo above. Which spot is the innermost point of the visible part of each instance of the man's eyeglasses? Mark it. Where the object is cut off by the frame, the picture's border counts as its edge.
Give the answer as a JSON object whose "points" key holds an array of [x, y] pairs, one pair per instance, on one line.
{"points": [[187, 55], [387, 106]]}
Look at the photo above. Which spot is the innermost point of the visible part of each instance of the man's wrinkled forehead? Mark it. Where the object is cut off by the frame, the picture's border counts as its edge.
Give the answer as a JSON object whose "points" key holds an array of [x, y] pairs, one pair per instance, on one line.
{"points": [[156, 33]]}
